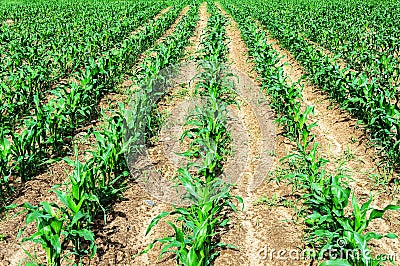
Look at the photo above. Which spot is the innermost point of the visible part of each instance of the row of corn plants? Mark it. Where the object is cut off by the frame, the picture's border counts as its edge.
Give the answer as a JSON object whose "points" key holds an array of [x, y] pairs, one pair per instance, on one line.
{"points": [[45, 135], [362, 95], [153, 82], [35, 62], [364, 33], [326, 195], [64, 230], [194, 241]]}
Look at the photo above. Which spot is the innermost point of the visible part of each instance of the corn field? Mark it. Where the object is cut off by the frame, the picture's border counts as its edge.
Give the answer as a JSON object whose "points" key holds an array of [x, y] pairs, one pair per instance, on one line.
{"points": [[199, 133]]}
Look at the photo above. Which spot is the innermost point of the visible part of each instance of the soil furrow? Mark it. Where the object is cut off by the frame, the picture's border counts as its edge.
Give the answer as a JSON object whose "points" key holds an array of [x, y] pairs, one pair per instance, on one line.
{"points": [[141, 207], [196, 39], [168, 169], [256, 228]]}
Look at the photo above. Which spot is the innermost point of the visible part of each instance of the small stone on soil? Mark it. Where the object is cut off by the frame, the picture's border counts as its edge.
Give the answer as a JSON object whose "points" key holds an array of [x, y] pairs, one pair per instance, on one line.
{"points": [[150, 203]]}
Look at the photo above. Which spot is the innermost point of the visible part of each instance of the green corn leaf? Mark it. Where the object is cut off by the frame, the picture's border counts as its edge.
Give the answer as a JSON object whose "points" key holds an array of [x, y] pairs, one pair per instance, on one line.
{"points": [[156, 220], [169, 247], [67, 200], [371, 235], [193, 259], [47, 207], [178, 233], [391, 235]]}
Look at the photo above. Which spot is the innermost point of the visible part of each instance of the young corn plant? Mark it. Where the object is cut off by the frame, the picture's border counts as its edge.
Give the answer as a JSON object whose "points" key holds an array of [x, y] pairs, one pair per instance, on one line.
{"points": [[209, 138], [83, 191], [25, 149], [193, 242], [49, 220], [57, 226], [108, 158], [331, 229]]}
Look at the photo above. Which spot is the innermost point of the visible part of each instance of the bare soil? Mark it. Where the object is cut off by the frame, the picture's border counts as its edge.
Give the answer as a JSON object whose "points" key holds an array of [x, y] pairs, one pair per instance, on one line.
{"points": [[259, 227], [9, 22], [196, 39]]}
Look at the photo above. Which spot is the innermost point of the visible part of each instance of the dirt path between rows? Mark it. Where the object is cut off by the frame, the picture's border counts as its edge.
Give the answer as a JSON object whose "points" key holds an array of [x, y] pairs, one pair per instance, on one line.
{"points": [[128, 81], [137, 212], [161, 161], [253, 153], [337, 131], [258, 228], [196, 39]]}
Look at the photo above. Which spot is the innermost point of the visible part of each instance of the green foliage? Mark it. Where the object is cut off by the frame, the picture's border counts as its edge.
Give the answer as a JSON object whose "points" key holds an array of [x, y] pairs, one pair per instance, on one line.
{"points": [[326, 196], [57, 226], [94, 185], [208, 196], [366, 82], [42, 136]]}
